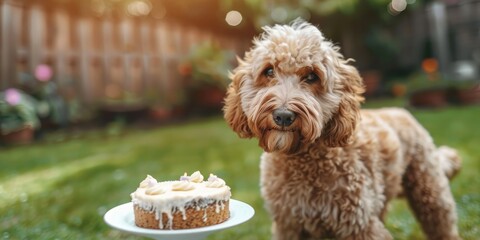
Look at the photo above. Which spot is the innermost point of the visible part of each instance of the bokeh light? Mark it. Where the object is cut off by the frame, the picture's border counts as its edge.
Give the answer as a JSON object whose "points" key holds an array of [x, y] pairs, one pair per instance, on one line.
{"points": [[430, 65], [397, 6], [139, 8], [233, 18]]}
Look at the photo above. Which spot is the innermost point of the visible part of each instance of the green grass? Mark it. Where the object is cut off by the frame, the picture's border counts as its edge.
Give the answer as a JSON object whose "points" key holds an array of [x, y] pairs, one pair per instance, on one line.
{"points": [[62, 190]]}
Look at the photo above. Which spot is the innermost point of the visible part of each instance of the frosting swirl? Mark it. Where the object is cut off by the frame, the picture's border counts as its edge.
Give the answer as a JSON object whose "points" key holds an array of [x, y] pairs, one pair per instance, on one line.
{"points": [[155, 190], [182, 186], [196, 177], [214, 182], [148, 182]]}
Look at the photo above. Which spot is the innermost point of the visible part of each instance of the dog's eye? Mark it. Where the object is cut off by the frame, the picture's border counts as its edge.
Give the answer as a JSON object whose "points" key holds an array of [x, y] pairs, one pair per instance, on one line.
{"points": [[310, 78], [269, 72]]}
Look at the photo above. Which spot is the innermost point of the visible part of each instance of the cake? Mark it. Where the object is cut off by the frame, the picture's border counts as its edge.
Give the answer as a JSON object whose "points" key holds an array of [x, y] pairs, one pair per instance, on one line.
{"points": [[189, 202]]}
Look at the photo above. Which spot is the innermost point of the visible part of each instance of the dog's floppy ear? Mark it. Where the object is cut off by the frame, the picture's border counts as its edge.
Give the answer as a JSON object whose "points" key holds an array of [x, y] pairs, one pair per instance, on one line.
{"points": [[340, 128], [232, 110]]}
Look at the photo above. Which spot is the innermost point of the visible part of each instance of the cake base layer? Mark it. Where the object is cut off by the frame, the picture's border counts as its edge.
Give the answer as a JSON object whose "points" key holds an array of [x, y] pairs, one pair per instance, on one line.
{"points": [[193, 217]]}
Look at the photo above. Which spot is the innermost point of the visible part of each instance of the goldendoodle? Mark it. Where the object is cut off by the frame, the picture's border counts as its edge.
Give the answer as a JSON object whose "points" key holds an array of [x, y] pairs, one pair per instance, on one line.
{"points": [[329, 169]]}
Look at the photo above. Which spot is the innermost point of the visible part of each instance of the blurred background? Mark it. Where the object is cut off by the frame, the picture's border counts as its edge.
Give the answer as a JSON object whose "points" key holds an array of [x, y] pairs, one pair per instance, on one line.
{"points": [[95, 94], [160, 60]]}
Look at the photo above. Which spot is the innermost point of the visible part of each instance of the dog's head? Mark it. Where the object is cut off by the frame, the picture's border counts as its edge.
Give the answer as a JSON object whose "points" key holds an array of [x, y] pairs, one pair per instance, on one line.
{"points": [[294, 87]]}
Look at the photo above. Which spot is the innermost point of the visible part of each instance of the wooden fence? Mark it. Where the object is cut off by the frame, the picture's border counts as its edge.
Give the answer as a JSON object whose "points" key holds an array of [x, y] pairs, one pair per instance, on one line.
{"points": [[98, 57]]}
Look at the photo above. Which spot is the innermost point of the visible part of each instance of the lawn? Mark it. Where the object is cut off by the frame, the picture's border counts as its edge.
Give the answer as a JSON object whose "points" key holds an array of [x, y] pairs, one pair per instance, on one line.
{"points": [[61, 190]]}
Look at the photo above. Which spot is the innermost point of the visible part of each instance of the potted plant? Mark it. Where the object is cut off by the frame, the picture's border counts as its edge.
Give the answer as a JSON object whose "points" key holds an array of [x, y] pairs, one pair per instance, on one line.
{"points": [[465, 91], [53, 109], [18, 117], [206, 76], [426, 91]]}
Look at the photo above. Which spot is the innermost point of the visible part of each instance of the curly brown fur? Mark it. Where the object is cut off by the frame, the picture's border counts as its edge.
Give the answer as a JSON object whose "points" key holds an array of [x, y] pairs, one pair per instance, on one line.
{"points": [[329, 169]]}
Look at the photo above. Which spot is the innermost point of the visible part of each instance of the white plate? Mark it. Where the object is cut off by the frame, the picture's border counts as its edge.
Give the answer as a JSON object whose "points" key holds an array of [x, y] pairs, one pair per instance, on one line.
{"points": [[121, 218]]}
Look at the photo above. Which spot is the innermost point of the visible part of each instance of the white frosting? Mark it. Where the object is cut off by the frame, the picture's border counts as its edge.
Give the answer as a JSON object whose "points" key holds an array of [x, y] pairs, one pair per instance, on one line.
{"points": [[171, 196]]}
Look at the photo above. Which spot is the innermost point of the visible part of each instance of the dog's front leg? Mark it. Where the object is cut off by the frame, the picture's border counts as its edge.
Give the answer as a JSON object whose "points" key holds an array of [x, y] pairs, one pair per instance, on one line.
{"points": [[375, 230], [286, 229]]}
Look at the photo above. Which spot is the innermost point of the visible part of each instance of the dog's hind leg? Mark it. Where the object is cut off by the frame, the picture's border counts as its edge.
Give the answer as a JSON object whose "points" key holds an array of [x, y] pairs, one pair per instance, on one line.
{"points": [[428, 192]]}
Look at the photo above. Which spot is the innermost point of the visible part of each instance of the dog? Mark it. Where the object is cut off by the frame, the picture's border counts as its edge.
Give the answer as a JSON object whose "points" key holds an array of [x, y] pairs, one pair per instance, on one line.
{"points": [[329, 169]]}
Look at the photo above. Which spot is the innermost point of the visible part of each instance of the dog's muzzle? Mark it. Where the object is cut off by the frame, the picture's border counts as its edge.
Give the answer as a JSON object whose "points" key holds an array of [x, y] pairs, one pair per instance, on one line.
{"points": [[283, 117]]}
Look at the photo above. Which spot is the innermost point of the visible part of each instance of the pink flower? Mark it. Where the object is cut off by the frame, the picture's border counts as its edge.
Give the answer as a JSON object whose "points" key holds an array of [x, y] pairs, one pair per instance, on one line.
{"points": [[12, 96], [43, 72]]}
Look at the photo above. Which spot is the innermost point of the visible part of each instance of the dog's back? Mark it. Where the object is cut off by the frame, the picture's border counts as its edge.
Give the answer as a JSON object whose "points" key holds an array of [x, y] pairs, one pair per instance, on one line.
{"points": [[412, 134]]}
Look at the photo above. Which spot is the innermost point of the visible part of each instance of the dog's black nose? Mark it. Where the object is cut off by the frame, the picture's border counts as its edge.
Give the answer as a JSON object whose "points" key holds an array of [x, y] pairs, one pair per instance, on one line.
{"points": [[283, 117]]}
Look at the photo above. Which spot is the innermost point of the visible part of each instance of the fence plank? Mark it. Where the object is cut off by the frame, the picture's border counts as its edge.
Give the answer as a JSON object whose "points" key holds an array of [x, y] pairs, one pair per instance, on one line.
{"points": [[5, 41], [164, 55], [61, 46], [84, 61], [36, 37], [145, 58], [107, 45], [11, 25]]}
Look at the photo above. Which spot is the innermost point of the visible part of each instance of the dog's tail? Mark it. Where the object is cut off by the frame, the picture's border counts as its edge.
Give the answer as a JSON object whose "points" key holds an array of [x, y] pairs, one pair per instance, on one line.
{"points": [[449, 160]]}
